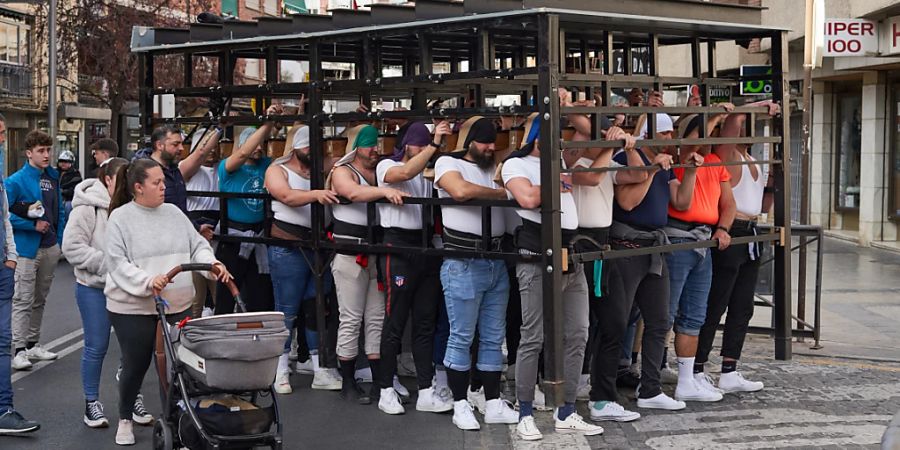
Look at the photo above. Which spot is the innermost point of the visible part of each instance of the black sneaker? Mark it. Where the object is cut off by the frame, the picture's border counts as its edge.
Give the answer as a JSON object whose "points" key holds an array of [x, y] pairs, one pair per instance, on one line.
{"points": [[627, 379], [140, 414], [93, 415], [12, 422], [356, 392]]}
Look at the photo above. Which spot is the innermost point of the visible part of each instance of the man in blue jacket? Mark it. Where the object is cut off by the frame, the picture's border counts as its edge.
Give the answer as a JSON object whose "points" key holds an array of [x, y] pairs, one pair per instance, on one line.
{"points": [[11, 422], [36, 216]]}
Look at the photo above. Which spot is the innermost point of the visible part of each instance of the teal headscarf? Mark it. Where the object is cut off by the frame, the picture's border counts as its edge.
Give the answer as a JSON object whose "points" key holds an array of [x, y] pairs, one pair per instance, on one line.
{"points": [[367, 137]]}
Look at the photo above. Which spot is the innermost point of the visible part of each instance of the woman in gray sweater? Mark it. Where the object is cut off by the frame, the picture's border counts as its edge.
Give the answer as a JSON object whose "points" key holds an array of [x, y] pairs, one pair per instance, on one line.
{"points": [[84, 247], [145, 239]]}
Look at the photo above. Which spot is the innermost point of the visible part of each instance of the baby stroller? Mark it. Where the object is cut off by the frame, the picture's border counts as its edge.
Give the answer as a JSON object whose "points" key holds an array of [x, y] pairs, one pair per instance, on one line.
{"points": [[216, 378]]}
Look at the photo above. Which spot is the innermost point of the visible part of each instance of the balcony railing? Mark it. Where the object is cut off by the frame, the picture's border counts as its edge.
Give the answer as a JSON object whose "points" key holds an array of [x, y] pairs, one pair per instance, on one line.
{"points": [[15, 81]]}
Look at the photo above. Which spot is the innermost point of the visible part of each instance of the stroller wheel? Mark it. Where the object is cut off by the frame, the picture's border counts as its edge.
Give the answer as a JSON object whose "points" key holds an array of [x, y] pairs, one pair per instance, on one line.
{"points": [[162, 436]]}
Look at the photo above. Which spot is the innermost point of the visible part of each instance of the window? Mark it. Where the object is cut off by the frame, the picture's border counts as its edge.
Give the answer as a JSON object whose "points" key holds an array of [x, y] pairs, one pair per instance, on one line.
{"points": [[848, 139], [271, 7], [252, 4], [251, 69], [230, 7], [14, 38]]}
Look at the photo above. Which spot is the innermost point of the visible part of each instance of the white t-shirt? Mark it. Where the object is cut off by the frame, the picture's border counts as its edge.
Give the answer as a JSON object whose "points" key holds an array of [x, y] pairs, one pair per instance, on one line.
{"points": [[595, 203], [297, 215], [354, 213], [529, 167], [206, 179], [408, 217], [467, 219]]}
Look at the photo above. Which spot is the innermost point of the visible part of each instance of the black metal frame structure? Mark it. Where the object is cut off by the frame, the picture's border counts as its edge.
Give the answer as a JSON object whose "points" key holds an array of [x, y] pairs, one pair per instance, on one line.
{"points": [[521, 52]]}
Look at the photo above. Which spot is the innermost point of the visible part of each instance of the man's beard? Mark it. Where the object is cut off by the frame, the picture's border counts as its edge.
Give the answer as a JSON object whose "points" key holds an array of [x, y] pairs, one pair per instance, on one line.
{"points": [[304, 159], [482, 160]]}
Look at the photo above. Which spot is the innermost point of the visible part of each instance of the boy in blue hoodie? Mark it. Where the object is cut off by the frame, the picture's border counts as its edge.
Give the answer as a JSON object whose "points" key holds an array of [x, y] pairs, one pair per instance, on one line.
{"points": [[37, 235]]}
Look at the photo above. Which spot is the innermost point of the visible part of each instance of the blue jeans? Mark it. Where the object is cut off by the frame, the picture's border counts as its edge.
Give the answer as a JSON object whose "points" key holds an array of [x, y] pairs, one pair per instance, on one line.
{"points": [[441, 334], [95, 322], [7, 284], [292, 281], [690, 276], [476, 292]]}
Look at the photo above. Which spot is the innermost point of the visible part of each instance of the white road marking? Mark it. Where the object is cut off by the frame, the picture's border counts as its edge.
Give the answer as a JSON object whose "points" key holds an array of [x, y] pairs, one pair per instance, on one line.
{"points": [[742, 418], [783, 437], [40, 365]]}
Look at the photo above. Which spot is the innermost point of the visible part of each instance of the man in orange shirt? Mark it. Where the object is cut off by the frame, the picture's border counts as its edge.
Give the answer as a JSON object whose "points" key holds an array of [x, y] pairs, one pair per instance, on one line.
{"points": [[709, 215]]}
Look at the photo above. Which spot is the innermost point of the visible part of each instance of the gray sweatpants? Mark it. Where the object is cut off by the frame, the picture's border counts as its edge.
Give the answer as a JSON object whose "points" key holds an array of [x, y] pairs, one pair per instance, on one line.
{"points": [[574, 302], [33, 280]]}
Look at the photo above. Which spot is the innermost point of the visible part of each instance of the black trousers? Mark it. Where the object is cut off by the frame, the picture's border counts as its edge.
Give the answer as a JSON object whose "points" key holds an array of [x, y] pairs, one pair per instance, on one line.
{"points": [[732, 289], [513, 316], [593, 312], [630, 281], [137, 338], [412, 283], [256, 288]]}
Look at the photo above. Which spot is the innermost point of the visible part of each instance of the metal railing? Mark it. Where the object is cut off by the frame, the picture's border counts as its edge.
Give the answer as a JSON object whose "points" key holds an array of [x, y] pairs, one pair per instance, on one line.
{"points": [[16, 81]]}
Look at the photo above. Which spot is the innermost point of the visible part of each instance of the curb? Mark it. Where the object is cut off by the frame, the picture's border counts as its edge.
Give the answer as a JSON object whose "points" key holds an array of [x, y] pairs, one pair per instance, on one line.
{"points": [[891, 438]]}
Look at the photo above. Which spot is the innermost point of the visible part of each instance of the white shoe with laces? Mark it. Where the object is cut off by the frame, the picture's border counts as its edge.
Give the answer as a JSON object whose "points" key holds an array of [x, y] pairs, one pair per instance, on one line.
{"points": [[735, 382], [21, 362], [305, 367], [430, 401], [500, 411], [691, 390], [326, 380], [282, 383], [389, 402], [612, 411], [400, 388], [140, 415], [528, 430], [37, 353], [94, 416], [706, 382], [661, 401], [464, 416], [575, 424], [476, 398], [125, 433]]}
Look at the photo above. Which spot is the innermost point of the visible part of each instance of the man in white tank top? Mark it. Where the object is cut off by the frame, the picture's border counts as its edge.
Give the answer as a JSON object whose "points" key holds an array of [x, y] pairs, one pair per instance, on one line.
{"points": [[355, 275], [288, 181], [735, 269]]}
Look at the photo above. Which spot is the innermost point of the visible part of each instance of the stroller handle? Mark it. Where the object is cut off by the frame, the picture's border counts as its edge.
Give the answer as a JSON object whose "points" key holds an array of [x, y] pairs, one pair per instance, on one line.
{"points": [[235, 292]]}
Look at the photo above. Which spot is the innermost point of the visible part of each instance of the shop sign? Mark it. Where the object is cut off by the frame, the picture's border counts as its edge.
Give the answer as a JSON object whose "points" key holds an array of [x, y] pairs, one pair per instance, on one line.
{"points": [[890, 31], [851, 37]]}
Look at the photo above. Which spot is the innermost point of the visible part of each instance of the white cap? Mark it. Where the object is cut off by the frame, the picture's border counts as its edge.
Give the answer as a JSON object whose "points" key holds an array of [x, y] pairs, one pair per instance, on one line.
{"points": [[663, 124], [301, 137]]}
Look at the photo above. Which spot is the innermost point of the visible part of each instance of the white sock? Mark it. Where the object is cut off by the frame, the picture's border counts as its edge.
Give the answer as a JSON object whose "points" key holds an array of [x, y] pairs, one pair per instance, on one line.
{"points": [[685, 370], [283, 362], [440, 376], [315, 360]]}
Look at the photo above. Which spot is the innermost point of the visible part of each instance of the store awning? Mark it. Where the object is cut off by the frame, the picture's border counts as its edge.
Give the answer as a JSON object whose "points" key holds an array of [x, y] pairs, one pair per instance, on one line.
{"points": [[79, 112], [295, 7]]}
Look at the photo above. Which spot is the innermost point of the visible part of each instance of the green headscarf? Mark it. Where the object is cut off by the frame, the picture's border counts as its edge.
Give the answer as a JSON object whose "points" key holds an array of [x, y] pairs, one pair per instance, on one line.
{"points": [[367, 137]]}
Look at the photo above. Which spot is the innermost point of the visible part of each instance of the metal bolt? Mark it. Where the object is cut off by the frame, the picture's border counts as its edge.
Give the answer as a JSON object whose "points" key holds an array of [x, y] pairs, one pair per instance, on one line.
{"points": [[546, 116], [378, 80], [546, 100], [549, 252], [549, 269]]}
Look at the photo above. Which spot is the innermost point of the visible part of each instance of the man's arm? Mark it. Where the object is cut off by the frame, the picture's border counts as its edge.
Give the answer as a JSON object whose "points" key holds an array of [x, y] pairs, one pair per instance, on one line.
{"points": [[11, 253], [191, 165], [18, 223], [346, 186], [416, 164], [238, 158], [462, 190], [526, 194], [727, 210], [277, 185]]}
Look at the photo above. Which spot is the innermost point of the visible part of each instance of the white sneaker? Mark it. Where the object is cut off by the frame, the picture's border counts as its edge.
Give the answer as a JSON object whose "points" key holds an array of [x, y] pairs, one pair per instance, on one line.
{"points": [[528, 430], [125, 433], [464, 417], [692, 391], [389, 402], [282, 383], [706, 382], [305, 367], [661, 401], [363, 375], [500, 411], [400, 388], [612, 411], [430, 401], [476, 398], [326, 380], [37, 353], [21, 362], [574, 423], [540, 401], [584, 391], [735, 382], [139, 414], [668, 376]]}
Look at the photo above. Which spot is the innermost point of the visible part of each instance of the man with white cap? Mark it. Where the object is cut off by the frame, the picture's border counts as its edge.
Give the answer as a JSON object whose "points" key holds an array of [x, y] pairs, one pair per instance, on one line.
{"points": [[243, 172], [288, 181], [639, 214]]}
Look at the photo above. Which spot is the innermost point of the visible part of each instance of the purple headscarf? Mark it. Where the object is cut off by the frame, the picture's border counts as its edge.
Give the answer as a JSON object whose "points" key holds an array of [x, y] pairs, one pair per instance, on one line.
{"points": [[416, 134]]}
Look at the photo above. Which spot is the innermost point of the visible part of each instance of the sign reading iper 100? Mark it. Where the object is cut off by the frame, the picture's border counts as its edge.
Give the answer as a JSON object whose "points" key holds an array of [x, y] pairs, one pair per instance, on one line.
{"points": [[851, 37]]}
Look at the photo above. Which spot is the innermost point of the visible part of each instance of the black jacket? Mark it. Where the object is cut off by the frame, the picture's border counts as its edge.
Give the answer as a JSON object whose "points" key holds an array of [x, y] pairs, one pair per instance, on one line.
{"points": [[67, 182]]}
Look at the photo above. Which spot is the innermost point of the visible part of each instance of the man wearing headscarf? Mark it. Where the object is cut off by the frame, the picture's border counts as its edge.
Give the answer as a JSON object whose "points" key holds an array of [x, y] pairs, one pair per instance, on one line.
{"points": [[355, 274], [476, 290], [243, 172], [521, 175], [412, 282]]}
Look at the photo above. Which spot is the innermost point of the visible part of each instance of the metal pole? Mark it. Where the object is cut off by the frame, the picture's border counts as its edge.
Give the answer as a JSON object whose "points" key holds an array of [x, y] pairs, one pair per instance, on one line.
{"points": [[804, 156], [782, 172], [51, 104], [551, 233]]}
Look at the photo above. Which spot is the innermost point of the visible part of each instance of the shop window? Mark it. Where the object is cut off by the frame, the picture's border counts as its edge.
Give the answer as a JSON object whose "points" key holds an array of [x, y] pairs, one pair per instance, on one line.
{"points": [[848, 137]]}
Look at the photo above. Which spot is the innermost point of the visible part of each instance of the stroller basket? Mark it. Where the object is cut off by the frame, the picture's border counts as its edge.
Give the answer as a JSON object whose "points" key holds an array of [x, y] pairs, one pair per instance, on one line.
{"points": [[233, 351]]}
